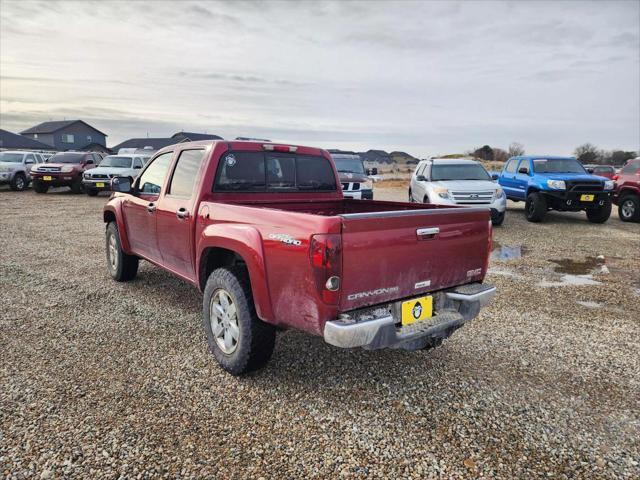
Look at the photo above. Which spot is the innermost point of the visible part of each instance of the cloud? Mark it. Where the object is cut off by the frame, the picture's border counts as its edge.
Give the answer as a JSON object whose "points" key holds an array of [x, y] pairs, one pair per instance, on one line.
{"points": [[415, 76]]}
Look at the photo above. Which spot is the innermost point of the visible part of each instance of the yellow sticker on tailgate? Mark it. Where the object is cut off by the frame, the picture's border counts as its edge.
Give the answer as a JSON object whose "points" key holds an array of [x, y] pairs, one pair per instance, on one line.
{"points": [[417, 310]]}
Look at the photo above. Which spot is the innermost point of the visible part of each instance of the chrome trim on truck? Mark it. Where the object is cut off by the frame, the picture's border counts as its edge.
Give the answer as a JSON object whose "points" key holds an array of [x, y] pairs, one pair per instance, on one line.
{"points": [[408, 213], [462, 304]]}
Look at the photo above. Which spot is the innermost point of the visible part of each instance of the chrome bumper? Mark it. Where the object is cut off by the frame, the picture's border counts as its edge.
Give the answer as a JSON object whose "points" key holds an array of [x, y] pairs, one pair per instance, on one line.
{"points": [[460, 305]]}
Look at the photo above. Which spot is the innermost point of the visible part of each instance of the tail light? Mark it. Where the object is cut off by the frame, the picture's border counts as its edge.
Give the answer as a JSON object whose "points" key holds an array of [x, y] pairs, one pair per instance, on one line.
{"points": [[615, 177], [489, 247], [326, 261]]}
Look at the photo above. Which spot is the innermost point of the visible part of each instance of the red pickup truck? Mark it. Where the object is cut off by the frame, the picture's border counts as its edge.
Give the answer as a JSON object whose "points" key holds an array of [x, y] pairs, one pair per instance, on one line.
{"points": [[627, 191], [264, 231]]}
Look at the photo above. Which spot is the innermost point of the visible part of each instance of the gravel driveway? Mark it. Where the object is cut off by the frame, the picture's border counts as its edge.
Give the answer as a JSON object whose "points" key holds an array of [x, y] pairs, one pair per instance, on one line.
{"points": [[102, 380]]}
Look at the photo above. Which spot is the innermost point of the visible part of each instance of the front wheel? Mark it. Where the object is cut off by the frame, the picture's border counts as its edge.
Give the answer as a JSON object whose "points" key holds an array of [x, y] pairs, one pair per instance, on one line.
{"points": [[629, 208], [535, 207], [601, 213], [40, 187], [76, 187], [18, 182], [122, 267], [498, 219], [239, 340]]}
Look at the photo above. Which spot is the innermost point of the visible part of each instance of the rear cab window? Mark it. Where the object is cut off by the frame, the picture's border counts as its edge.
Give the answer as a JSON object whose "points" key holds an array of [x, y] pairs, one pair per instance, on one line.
{"points": [[240, 171]]}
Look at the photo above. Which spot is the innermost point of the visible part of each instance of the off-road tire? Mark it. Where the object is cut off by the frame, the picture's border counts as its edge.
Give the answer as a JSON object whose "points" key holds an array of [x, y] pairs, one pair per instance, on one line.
{"points": [[634, 202], [18, 182], [92, 192], [499, 220], [535, 207], [76, 187], [600, 214], [125, 267], [425, 199], [40, 187], [256, 338]]}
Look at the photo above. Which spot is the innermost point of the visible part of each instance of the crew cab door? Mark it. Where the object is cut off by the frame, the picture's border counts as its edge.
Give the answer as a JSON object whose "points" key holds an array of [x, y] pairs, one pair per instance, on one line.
{"points": [[521, 180], [139, 209], [175, 214], [507, 179]]}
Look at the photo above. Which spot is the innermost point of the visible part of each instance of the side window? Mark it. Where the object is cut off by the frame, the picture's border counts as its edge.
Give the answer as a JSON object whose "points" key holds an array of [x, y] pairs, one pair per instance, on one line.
{"points": [[524, 164], [511, 166], [184, 175], [30, 159], [153, 177], [137, 163]]}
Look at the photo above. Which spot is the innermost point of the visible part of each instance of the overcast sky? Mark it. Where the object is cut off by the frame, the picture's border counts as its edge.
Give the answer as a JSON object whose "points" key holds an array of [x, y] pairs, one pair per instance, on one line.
{"points": [[423, 77]]}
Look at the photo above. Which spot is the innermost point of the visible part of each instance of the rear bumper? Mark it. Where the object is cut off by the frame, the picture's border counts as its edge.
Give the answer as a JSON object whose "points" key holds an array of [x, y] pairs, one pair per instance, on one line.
{"points": [[358, 194], [57, 179], [455, 308]]}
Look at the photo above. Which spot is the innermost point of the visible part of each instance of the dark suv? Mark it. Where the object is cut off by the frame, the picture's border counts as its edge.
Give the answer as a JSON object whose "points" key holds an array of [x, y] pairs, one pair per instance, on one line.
{"points": [[64, 169]]}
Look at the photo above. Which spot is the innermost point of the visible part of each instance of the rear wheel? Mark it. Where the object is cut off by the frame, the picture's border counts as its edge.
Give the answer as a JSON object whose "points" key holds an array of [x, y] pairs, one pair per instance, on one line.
{"points": [[629, 208], [535, 207], [40, 187], [18, 182], [122, 267], [239, 340], [601, 213]]}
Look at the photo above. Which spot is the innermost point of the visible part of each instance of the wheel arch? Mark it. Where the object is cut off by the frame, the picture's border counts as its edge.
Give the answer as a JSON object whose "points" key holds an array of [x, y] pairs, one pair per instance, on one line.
{"points": [[113, 213], [225, 245]]}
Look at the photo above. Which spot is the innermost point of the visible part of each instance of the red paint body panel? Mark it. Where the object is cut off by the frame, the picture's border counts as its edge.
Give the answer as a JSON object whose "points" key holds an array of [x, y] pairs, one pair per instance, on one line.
{"points": [[272, 233], [628, 182]]}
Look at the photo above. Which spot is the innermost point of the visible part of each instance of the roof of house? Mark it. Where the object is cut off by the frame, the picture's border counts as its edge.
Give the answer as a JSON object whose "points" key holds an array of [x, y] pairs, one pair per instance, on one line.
{"points": [[13, 140], [155, 143], [52, 127], [194, 137]]}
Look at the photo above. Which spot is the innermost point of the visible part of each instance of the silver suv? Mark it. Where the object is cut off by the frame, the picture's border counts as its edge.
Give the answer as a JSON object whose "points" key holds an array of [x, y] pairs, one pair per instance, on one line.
{"points": [[15, 168], [457, 182]]}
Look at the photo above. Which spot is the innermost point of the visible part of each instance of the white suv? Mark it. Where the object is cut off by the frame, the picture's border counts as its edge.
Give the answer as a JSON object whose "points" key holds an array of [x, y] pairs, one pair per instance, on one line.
{"points": [[457, 182]]}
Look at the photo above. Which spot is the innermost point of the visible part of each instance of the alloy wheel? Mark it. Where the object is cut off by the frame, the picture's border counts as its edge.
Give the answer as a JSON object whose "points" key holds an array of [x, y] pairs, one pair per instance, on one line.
{"points": [[628, 209], [223, 316], [113, 253]]}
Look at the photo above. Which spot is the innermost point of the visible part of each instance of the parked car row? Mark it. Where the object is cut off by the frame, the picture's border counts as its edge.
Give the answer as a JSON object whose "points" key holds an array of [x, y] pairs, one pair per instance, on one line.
{"points": [[544, 183]]}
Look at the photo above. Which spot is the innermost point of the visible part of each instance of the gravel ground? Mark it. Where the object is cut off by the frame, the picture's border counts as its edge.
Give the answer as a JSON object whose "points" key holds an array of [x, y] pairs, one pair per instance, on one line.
{"points": [[102, 380]]}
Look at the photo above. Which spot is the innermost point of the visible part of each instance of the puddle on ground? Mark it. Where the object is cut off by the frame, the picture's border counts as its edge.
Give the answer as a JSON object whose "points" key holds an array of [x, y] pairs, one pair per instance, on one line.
{"points": [[507, 252], [589, 265]]}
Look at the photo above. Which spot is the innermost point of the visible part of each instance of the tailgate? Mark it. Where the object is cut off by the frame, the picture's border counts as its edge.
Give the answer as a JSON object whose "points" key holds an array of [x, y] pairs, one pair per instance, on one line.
{"points": [[391, 255]]}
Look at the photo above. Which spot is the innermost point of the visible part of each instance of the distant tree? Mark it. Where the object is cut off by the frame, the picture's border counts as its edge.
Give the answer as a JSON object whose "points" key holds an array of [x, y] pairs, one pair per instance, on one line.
{"points": [[618, 157], [500, 155], [515, 150], [484, 153], [588, 153]]}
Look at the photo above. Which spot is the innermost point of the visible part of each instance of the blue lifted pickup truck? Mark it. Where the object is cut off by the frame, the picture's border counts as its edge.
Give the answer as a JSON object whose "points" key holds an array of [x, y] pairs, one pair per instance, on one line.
{"points": [[556, 183]]}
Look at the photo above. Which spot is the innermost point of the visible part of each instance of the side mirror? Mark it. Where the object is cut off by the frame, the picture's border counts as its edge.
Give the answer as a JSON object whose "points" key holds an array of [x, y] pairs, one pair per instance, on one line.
{"points": [[590, 170], [421, 178], [374, 171], [523, 170], [495, 176], [121, 184]]}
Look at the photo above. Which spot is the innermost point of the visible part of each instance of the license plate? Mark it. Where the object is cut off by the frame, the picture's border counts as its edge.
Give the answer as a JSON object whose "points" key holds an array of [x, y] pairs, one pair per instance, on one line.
{"points": [[100, 185], [47, 178], [587, 198], [417, 310]]}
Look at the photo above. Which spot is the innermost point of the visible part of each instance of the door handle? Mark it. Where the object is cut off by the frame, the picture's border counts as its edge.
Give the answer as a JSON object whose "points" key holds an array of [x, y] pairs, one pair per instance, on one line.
{"points": [[427, 233], [182, 213], [151, 207]]}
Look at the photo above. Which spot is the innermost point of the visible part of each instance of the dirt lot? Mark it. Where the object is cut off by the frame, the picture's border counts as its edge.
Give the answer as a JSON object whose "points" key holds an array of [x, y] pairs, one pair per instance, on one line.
{"points": [[99, 379]]}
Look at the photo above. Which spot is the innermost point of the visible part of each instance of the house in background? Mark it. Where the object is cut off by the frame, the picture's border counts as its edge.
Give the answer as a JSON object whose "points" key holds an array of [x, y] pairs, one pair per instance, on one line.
{"points": [[13, 141], [153, 144], [194, 137], [68, 135]]}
